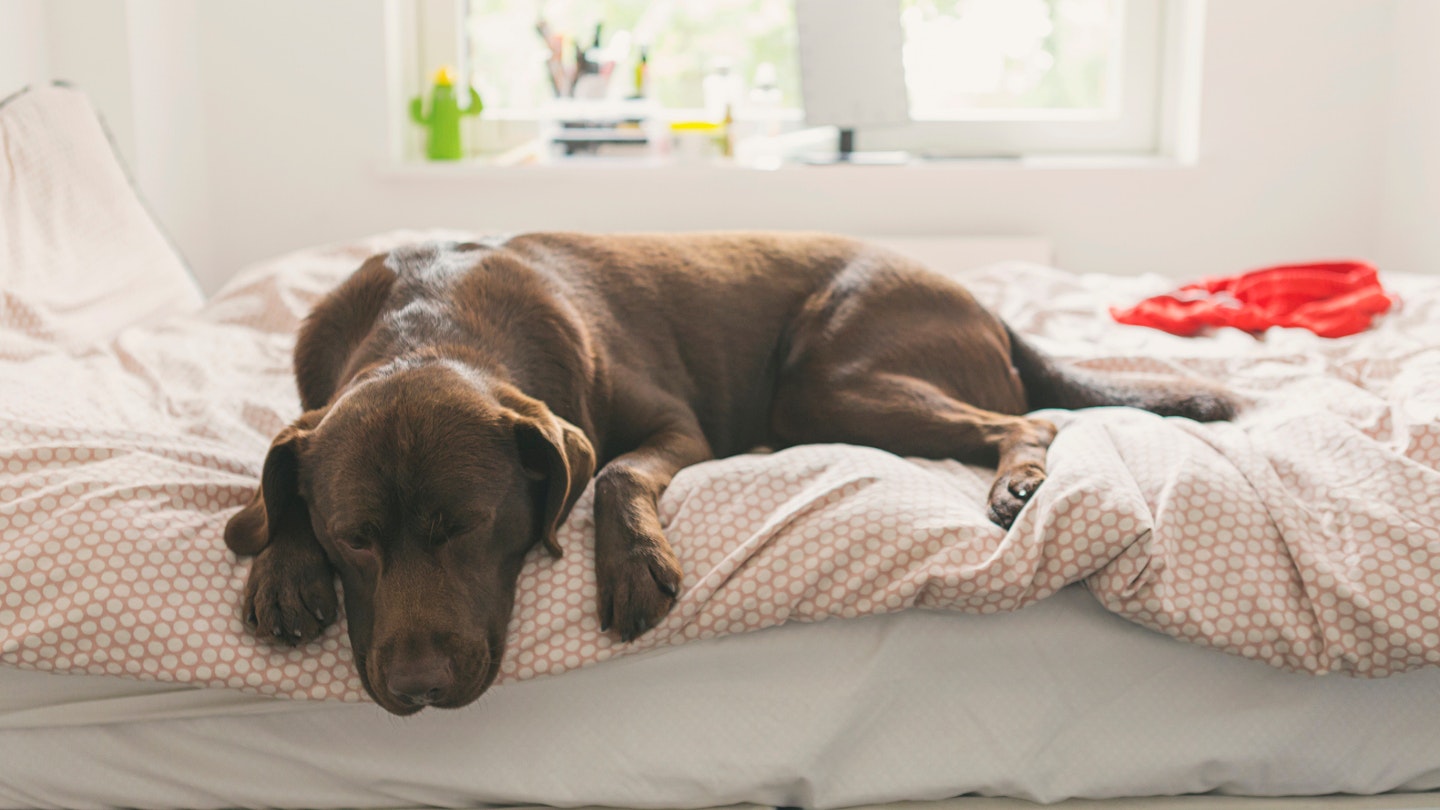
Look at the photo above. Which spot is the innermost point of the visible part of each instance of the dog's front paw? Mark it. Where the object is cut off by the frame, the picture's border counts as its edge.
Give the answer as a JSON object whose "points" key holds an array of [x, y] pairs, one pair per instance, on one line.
{"points": [[639, 582], [1013, 488], [290, 594]]}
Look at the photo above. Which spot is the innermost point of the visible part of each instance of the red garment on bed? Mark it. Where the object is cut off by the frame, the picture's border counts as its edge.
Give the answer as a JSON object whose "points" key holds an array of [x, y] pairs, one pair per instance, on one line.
{"points": [[1331, 299]]}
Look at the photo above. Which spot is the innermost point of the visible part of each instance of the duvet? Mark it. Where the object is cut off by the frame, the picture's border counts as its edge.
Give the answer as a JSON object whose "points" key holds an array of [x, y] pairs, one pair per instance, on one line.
{"points": [[1306, 534]]}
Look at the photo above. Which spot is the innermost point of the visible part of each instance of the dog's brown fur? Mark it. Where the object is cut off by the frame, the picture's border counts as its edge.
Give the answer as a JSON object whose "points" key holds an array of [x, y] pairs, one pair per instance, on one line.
{"points": [[459, 397]]}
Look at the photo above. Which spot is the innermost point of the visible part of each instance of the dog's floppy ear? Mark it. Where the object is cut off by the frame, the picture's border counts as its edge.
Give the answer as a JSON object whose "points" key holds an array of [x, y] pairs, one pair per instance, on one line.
{"points": [[557, 453], [276, 507]]}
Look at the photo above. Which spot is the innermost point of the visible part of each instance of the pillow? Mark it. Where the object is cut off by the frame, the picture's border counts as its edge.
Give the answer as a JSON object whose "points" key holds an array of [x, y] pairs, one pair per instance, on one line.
{"points": [[80, 256]]}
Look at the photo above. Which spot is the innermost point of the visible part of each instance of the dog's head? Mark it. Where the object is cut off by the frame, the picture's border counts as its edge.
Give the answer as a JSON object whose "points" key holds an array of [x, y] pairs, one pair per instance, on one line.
{"points": [[427, 486]]}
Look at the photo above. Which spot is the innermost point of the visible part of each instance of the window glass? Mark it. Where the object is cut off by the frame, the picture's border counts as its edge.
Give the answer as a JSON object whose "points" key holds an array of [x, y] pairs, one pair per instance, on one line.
{"points": [[684, 43], [978, 59]]}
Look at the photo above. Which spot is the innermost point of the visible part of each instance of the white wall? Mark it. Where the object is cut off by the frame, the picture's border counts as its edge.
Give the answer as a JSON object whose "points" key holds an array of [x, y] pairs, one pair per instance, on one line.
{"points": [[293, 115], [24, 57], [168, 96], [1409, 237], [1292, 115]]}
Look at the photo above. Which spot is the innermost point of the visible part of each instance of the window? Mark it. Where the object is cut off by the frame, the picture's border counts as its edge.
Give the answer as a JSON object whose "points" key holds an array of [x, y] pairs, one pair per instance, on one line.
{"points": [[980, 77]]}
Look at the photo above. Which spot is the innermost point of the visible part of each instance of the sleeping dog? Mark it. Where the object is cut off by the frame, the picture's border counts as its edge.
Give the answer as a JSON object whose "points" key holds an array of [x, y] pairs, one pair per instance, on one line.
{"points": [[458, 398]]}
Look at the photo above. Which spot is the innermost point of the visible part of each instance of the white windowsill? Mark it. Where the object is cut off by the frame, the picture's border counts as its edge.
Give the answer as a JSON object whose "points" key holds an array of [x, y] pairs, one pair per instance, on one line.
{"points": [[479, 167]]}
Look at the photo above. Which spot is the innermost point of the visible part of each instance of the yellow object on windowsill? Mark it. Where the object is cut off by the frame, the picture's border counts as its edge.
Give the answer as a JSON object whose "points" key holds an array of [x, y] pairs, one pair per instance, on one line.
{"points": [[696, 141], [695, 126]]}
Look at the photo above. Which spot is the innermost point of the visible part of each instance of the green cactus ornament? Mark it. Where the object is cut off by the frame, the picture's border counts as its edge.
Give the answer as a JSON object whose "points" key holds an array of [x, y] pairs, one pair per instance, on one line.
{"points": [[443, 121]]}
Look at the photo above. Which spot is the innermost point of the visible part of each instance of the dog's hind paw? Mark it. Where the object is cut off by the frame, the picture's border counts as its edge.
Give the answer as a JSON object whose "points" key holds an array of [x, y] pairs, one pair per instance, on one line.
{"points": [[1013, 488], [1211, 406]]}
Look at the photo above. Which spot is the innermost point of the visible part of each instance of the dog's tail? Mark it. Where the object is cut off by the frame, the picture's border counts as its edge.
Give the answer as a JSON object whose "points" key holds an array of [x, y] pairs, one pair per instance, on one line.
{"points": [[1049, 384]]}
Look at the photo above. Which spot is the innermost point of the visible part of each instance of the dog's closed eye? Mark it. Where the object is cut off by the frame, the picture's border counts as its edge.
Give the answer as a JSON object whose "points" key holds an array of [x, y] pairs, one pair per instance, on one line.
{"points": [[445, 527], [357, 538], [356, 542], [469, 518]]}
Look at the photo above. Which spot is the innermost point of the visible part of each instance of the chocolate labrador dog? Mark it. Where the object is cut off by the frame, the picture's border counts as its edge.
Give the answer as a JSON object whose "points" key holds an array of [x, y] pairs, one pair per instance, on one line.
{"points": [[459, 397]]}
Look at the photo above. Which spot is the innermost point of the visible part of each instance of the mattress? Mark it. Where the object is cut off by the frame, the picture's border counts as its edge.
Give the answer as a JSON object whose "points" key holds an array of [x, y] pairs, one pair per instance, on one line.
{"points": [[1059, 700]]}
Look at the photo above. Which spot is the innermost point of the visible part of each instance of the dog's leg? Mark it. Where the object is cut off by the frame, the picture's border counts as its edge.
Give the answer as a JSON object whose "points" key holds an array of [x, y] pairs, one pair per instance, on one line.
{"points": [[638, 575], [290, 592], [914, 417]]}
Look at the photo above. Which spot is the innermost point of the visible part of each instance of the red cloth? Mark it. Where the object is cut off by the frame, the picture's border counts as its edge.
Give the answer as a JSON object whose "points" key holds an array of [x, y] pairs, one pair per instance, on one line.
{"points": [[1331, 299]]}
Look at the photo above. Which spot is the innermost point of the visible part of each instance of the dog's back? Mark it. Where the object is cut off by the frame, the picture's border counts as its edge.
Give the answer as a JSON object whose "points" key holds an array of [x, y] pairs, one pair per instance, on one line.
{"points": [[703, 317], [707, 319]]}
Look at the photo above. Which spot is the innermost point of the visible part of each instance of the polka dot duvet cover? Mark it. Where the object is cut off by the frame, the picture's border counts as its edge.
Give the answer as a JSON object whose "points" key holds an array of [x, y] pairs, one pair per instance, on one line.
{"points": [[1306, 534]]}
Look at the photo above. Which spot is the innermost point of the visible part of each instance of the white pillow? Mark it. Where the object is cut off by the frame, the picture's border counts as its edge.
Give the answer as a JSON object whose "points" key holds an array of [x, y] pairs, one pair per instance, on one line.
{"points": [[80, 256]]}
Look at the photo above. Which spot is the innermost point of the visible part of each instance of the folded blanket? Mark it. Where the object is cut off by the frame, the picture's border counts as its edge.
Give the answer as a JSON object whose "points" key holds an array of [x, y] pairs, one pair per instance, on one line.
{"points": [[1305, 535]]}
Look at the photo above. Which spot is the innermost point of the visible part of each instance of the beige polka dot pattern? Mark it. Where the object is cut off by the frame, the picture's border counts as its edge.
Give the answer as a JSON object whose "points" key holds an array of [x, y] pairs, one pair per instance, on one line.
{"points": [[1306, 535]]}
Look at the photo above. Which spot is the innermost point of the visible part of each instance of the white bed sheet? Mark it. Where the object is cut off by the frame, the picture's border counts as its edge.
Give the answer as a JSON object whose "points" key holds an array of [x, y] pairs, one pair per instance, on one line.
{"points": [[1059, 700]]}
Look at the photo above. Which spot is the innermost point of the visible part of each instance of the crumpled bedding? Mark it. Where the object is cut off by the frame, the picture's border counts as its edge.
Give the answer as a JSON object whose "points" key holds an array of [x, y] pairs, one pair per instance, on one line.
{"points": [[1306, 534]]}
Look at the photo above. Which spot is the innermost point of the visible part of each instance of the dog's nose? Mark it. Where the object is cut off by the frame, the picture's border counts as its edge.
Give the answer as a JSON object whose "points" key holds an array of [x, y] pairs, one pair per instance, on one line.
{"points": [[420, 682]]}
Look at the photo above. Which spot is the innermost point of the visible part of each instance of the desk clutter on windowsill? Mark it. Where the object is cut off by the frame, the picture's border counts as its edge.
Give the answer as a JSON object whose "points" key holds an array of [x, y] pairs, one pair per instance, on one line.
{"points": [[589, 133], [618, 131]]}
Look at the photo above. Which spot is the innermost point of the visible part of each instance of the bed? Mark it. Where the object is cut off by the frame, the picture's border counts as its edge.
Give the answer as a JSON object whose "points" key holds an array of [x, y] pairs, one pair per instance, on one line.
{"points": [[135, 416]]}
